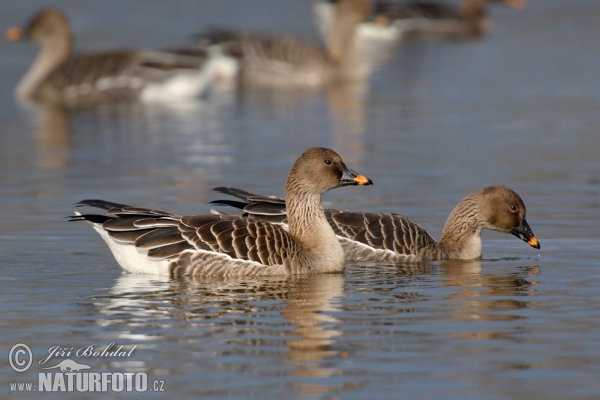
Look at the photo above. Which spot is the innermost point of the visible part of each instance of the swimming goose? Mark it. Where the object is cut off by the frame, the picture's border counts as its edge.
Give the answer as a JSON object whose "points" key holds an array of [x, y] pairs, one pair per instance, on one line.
{"points": [[391, 237], [434, 19], [152, 241], [393, 21], [284, 61], [58, 76]]}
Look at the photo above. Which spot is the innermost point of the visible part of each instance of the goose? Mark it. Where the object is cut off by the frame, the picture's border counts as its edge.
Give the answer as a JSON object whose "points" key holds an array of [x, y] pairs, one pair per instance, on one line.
{"points": [[157, 242], [60, 77], [284, 61], [372, 236], [393, 21]]}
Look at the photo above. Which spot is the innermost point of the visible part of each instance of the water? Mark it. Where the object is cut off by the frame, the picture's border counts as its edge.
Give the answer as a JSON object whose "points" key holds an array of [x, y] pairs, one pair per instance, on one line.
{"points": [[439, 121]]}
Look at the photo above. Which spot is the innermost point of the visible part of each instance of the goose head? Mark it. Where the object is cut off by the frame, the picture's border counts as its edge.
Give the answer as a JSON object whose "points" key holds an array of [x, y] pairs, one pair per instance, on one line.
{"points": [[516, 4], [319, 169], [503, 210], [48, 27]]}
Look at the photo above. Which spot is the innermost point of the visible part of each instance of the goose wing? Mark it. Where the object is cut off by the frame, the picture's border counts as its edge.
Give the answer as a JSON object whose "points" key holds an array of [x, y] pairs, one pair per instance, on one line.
{"points": [[272, 60], [380, 231], [210, 244], [117, 75], [399, 11], [265, 208], [259, 50]]}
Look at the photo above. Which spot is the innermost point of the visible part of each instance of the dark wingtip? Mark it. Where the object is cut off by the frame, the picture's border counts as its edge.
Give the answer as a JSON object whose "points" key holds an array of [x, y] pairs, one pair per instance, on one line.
{"points": [[230, 203], [93, 218], [239, 193], [97, 203]]}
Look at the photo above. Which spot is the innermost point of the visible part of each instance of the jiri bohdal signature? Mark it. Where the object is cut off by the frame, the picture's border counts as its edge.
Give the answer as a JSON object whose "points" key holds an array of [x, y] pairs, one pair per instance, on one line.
{"points": [[92, 350]]}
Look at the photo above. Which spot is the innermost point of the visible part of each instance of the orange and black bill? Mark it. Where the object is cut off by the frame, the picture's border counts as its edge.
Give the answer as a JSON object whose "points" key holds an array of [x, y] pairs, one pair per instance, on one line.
{"points": [[351, 178], [517, 4], [523, 232], [13, 34]]}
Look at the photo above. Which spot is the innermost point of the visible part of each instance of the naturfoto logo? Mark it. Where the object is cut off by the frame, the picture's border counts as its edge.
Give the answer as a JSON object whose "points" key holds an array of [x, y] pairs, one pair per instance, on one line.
{"points": [[68, 375]]}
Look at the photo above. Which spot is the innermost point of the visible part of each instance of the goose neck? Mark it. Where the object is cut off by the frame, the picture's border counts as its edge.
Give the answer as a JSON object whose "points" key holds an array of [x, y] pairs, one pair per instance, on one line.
{"points": [[474, 12], [461, 237], [304, 210], [342, 45], [308, 225], [52, 54]]}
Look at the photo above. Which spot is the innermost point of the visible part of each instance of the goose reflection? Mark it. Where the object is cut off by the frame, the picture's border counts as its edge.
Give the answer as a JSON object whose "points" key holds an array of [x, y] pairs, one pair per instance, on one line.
{"points": [[53, 141], [151, 143], [231, 312], [468, 275], [489, 297], [347, 111]]}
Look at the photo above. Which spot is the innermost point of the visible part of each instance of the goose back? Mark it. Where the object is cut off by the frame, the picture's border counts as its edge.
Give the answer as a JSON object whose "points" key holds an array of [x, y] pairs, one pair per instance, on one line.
{"points": [[434, 19], [272, 61], [470, 19], [391, 237]]}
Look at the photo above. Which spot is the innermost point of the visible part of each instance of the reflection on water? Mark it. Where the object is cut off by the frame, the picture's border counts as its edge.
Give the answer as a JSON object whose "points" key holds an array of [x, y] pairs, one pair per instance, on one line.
{"points": [[246, 318], [486, 297], [137, 303], [473, 294], [348, 120], [53, 138], [344, 103]]}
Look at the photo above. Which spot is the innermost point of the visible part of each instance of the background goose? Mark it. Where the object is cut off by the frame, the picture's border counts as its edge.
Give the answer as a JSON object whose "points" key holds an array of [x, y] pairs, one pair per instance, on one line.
{"points": [[267, 60], [393, 21], [60, 77], [152, 241], [381, 236]]}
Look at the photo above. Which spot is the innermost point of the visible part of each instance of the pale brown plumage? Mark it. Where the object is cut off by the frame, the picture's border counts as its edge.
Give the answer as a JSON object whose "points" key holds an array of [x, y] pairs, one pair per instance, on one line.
{"points": [[152, 241], [272, 61], [397, 20], [58, 76], [470, 19], [391, 237]]}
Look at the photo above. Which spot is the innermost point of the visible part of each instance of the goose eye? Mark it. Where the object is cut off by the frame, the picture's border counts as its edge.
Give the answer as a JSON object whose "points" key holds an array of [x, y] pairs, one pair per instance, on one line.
{"points": [[328, 162], [512, 207]]}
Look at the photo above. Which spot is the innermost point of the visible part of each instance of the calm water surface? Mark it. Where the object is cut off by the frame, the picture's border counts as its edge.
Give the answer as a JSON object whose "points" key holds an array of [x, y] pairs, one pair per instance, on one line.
{"points": [[437, 122]]}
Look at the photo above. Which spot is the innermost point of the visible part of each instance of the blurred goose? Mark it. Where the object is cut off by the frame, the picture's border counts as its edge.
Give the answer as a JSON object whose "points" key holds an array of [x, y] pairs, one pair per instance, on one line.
{"points": [[271, 61], [392, 21], [58, 76], [152, 241], [391, 237]]}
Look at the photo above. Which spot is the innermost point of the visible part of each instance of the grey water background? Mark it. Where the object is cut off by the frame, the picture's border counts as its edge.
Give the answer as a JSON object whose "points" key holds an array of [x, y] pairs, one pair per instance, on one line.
{"points": [[519, 108]]}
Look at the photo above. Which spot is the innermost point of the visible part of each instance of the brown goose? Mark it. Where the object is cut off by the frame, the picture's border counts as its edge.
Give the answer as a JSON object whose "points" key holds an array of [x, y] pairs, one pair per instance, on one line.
{"points": [[394, 21], [392, 237], [152, 241], [272, 61], [58, 76], [436, 19]]}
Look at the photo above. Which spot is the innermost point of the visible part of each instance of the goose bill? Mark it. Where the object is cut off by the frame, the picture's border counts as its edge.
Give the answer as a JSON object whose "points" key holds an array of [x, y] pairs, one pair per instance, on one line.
{"points": [[524, 232], [517, 4], [351, 178], [13, 34]]}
